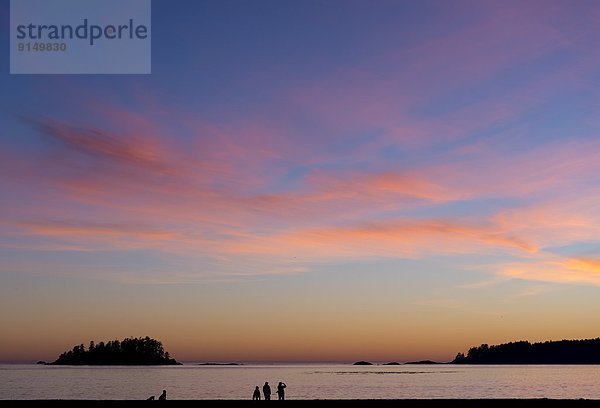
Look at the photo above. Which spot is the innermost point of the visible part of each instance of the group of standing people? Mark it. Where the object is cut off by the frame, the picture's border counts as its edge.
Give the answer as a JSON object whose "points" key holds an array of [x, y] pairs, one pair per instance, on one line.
{"points": [[267, 391]]}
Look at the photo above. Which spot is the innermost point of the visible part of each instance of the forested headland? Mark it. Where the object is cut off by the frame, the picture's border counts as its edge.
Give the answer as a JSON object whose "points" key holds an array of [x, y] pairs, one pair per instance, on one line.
{"points": [[524, 352]]}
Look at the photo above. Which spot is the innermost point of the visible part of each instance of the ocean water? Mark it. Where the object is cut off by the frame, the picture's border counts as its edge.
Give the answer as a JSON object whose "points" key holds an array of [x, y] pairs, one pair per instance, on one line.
{"points": [[303, 381]]}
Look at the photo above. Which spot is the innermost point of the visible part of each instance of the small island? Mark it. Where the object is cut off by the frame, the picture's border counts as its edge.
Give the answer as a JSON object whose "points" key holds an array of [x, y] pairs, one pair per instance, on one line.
{"points": [[362, 363], [130, 351], [524, 352]]}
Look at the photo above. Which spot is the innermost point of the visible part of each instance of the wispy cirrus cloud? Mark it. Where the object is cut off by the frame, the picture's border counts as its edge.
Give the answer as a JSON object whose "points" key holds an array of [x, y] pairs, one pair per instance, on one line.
{"points": [[136, 151], [403, 238], [96, 230], [188, 211], [557, 269], [392, 238]]}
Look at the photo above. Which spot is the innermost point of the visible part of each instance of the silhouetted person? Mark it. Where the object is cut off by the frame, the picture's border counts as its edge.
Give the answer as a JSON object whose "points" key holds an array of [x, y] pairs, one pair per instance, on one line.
{"points": [[281, 390], [267, 391], [163, 396], [256, 395]]}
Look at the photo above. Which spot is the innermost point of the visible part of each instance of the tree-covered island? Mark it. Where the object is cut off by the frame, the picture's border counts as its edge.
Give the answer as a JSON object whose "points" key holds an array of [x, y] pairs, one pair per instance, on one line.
{"points": [[129, 351]]}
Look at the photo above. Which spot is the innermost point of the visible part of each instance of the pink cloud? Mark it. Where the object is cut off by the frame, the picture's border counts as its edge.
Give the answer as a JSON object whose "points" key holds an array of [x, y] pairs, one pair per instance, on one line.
{"points": [[121, 149], [553, 168], [558, 270], [96, 230], [556, 222], [399, 238]]}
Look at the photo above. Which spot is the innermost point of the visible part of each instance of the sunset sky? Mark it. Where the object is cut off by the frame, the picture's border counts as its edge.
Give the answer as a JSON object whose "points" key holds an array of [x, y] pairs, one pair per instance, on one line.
{"points": [[310, 181]]}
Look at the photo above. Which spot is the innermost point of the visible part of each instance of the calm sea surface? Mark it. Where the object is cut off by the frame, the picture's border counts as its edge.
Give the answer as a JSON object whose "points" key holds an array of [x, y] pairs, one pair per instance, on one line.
{"points": [[304, 381]]}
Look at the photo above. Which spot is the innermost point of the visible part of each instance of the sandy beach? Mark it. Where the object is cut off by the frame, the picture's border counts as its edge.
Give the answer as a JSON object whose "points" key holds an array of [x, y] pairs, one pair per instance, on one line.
{"points": [[413, 403]]}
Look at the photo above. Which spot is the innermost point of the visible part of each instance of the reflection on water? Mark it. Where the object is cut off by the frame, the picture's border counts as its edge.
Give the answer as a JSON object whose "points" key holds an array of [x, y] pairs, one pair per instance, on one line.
{"points": [[384, 372], [304, 381]]}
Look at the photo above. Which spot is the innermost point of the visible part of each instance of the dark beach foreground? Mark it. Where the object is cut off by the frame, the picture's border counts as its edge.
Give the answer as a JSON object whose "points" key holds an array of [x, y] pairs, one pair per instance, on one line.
{"points": [[413, 403]]}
